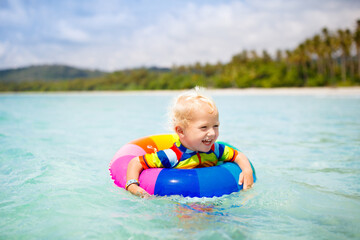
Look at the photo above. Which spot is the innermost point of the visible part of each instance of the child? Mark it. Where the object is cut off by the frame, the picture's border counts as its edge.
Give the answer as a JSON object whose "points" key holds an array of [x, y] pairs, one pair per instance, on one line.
{"points": [[195, 120]]}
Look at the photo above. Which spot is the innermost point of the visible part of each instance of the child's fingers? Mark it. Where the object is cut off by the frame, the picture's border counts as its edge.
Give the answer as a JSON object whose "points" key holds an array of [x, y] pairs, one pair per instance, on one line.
{"points": [[241, 179], [145, 195], [246, 186], [248, 183]]}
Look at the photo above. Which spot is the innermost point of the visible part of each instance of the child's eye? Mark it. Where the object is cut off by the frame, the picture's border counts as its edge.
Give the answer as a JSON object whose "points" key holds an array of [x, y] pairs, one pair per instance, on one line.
{"points": [[204, 127], [216, 126]]}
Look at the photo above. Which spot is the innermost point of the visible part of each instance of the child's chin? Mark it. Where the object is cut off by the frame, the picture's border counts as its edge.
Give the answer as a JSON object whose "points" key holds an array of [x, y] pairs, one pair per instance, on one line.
{"points": [[206, 149]]}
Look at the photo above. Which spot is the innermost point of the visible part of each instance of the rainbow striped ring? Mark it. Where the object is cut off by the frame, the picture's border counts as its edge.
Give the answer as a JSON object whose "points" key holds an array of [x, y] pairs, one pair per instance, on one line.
{"points": [[198, 182]]}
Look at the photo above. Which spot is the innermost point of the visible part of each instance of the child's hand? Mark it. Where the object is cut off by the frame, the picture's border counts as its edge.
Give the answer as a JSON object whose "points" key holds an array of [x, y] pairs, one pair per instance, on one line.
{"points": [[246, 179], [246, 176], [138, 191]]}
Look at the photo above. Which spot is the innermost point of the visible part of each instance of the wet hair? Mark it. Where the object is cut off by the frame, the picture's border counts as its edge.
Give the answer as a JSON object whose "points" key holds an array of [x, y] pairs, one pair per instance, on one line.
{"points": [[185, 105]]}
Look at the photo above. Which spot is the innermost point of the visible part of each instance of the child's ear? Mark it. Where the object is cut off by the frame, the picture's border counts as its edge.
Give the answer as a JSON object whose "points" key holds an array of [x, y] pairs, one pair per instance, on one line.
{"points": [[179, 130]]}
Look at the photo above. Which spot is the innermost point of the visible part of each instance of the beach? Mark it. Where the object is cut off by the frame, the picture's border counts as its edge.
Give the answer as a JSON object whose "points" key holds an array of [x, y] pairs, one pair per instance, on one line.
{"points": [[292, 91]]}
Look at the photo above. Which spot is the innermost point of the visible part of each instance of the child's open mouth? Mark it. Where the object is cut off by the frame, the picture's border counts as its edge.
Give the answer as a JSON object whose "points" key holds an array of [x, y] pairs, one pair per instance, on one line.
{"points": [[207, 142]]}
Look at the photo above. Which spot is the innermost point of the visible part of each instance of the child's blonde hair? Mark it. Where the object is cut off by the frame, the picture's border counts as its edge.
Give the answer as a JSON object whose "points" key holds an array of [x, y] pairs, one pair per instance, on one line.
{"points": [[186, 104]]}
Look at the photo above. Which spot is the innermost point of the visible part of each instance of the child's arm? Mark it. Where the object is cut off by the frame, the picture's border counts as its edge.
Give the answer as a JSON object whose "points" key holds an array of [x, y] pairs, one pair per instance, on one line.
{"points": [[133, 172], [246, 176]]}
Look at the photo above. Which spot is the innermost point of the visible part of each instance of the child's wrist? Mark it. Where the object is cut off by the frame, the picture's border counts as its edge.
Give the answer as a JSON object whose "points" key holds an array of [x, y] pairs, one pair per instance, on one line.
{"points": [[133, 188], [131, 182], [247, 170]]}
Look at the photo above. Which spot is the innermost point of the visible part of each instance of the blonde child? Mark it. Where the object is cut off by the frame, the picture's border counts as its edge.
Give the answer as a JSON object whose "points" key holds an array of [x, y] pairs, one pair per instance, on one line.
{"points": [[195, 120]]}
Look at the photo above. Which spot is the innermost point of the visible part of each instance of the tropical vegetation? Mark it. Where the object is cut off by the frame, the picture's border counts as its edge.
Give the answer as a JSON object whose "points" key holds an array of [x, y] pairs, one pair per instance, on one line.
{"points": [[329, 58]]}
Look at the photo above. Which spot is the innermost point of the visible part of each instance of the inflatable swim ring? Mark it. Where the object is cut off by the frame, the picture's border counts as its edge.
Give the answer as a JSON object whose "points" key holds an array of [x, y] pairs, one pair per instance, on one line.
{"points": [[198, 182]]}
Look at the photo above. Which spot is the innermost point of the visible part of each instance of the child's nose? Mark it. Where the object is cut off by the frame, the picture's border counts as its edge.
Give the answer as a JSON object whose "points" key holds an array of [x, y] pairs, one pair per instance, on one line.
{"points": [[211, 132]]}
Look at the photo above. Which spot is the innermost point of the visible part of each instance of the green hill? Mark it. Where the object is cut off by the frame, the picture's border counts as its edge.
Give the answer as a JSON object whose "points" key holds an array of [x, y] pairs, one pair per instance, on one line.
{"points": [[46, 73]]}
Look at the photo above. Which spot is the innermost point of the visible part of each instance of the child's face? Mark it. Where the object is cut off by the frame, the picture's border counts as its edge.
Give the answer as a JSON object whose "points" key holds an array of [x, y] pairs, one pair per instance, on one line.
{"points": [[202, 131]]}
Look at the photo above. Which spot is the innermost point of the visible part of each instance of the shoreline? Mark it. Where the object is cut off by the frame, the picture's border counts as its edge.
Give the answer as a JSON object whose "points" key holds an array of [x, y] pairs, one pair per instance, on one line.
{"points": [[345, 91], [315, 91]]}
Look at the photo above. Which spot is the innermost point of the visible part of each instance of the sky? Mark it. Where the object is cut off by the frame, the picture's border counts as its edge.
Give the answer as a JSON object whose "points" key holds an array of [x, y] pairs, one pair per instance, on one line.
{"points": [[113, 35]]}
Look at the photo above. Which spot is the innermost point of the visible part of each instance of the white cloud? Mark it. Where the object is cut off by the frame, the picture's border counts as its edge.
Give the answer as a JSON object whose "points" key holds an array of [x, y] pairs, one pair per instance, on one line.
{"points": [[115, 36], [3, 47], [17, 56], [70, 33], [212, 33]]}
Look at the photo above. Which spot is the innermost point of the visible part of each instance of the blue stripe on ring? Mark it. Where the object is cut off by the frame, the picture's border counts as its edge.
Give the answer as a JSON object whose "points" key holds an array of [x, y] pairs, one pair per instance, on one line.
{"points": [[216, 181], [183, 182]]}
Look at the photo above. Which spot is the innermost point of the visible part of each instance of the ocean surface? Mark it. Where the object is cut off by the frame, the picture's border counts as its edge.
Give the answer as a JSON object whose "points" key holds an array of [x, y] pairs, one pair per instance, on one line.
{"points": [[55, 151]]}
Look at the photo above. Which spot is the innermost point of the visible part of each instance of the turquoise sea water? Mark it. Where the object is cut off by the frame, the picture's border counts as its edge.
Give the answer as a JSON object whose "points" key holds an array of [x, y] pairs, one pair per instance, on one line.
{"points": [[55, 150]]}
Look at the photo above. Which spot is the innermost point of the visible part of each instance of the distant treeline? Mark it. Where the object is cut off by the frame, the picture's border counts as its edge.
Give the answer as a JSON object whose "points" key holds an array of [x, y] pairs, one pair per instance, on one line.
{"points": [[330, 58], [47, 73]]}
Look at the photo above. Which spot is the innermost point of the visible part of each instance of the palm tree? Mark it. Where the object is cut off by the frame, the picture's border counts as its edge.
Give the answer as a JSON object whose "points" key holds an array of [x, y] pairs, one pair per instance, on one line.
{"points": [[309, 50], [198, 68], [301, 58], [279, 55], [345, 44], [288, 59], [341, 36], [319, 51], [329, 48], [240, 58], [254, 55], [357, 43], [266, 56], [349, 43]]}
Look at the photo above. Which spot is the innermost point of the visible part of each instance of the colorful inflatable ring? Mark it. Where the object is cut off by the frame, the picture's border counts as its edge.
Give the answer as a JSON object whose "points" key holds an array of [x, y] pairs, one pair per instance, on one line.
{"points": [[198, 182]]}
